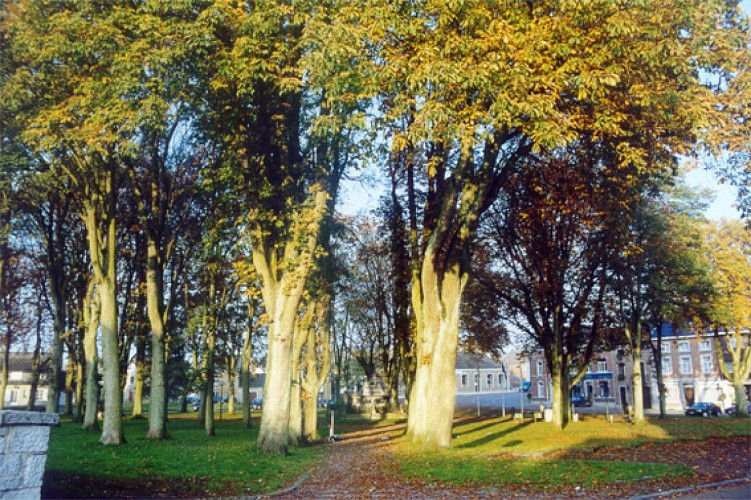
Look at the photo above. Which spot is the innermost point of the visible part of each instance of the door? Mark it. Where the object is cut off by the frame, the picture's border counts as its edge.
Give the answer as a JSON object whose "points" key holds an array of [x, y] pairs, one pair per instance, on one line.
{"points": [[688, 394], [647, 397], [624, 399]]}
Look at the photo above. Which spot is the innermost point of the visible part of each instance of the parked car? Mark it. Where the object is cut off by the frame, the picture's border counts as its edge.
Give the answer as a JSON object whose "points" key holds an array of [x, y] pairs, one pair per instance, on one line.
{"points": [[703, 409], [580, 401], [732, 410], [256, 404]]}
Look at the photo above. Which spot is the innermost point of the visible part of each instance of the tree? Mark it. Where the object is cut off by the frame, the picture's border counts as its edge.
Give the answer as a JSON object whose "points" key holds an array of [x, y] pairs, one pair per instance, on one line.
{"points": [[730, 254], [467, 90], [255, 101], [548, 238], [657, 270]]}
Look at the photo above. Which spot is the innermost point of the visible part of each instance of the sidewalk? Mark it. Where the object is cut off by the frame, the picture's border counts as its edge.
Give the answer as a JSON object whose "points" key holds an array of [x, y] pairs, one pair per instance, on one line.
{"points": [[730, 490]]}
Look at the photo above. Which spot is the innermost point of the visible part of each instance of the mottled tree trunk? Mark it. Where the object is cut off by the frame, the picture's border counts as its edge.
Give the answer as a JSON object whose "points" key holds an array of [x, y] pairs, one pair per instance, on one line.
{"points": [[437, 300], [139, 382], [155, 309], [282, 293], [91, 326], [273, 434]]}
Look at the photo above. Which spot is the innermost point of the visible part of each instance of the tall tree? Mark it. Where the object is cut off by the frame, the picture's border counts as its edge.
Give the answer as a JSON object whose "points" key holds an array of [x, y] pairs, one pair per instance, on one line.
{"points": [[730, 255], [480, 85]]}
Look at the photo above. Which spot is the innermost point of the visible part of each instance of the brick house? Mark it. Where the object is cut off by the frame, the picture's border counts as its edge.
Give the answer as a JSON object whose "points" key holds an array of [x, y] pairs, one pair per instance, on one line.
{"points": [[691, 373], [691, 369]]}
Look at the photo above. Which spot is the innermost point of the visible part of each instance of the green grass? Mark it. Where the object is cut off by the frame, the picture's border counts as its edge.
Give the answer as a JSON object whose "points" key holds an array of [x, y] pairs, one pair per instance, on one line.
{"points": [[530, 472], [189, 464], [498, 451], [501, 435]]}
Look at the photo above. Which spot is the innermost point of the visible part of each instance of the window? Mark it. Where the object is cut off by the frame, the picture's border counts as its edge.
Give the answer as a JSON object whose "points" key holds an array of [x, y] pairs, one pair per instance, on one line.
{"points": [[602, 366], [464, 380], [705, 345], [540, 368], [500, 379], [13, 396], [604, 389], [666, 347], [685, 365], [706, 363], [477, 381], [540, 389], [41, 395], [684, 346], [621, 371], [667, 365]]}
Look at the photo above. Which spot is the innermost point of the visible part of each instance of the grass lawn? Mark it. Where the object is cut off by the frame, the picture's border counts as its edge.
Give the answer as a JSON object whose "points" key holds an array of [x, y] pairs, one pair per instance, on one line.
{"points": [[189, 464], [497, 451], [488, 452]]}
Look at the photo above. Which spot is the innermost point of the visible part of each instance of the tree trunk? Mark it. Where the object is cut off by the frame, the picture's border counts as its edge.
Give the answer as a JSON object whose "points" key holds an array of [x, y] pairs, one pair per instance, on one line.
{"points": [[112, 430], [139, 376], [35, 364], [158, 398], [273, 434], [431, 412], [246, 357], [657, 357], [282, 298], [295, 409], [561, 390], [231, 369], [208, 407], [4, 372], [91, 319], [58, 330], [80, 388], [638, 380], [741, 407]]}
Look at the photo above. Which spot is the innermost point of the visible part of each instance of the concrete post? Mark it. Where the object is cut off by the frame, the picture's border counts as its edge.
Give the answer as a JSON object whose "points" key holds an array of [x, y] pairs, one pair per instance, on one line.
{"points": [[24, 436]]}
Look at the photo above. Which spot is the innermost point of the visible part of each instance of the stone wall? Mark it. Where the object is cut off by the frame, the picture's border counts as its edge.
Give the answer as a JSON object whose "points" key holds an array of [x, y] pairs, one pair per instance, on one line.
{"points": [[24, 436]]}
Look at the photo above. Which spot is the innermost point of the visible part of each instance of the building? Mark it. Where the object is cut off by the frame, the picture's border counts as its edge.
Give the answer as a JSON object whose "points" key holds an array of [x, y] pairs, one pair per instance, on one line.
{"points": [[480, 373], [518, 369], [690, 368], [20, 375]]}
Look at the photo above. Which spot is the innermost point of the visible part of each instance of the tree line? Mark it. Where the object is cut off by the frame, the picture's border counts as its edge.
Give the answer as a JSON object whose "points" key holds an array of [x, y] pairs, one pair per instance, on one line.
{"points": [[171, 172]]}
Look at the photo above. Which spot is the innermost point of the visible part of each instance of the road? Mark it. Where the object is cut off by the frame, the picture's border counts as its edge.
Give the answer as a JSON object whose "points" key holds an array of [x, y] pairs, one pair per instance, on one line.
{"points": [[496, 401]]}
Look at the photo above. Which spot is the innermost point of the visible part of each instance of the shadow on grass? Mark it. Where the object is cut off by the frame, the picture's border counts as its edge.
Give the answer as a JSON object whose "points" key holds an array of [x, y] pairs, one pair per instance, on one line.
{"points": [[498, 435]]}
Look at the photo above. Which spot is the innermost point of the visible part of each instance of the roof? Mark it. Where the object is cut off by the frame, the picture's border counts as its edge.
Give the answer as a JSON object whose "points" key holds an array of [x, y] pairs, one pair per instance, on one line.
{"points": [[22, 361], [670, 332], [466, 360]]}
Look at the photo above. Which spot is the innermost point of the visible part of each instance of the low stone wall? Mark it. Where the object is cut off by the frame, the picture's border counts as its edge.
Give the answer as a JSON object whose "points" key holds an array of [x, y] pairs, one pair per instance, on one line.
{"points": [[24, 436]]}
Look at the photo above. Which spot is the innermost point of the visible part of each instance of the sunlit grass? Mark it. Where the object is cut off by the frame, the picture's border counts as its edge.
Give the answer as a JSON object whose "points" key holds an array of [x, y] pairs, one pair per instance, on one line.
{"points": [[497, 451], [502, 435]]}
